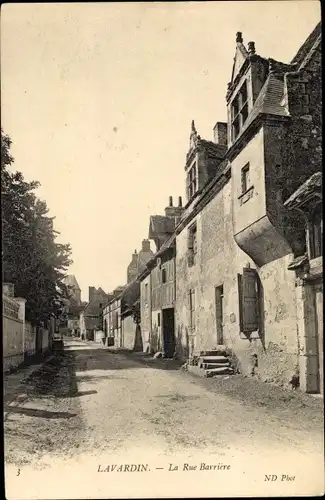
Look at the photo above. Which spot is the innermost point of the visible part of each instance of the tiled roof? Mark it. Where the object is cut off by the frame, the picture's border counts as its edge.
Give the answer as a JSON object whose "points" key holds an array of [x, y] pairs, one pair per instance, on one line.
{"points": [[160, 224], [131, 294], [307, 45], [269, 99], [311, 186]]}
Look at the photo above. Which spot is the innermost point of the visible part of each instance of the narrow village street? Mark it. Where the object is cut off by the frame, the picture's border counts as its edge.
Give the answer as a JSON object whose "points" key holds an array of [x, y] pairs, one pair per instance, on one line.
{"points": [[100, 407]]}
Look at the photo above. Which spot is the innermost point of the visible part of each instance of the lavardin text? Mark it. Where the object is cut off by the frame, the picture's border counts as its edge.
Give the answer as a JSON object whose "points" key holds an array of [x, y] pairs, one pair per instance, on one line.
{"points": [[170, 468]]}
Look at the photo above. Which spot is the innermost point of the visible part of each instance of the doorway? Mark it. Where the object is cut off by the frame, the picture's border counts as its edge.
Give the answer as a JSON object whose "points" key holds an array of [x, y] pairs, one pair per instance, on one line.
{"points": [[320, 333], [168, 327], [219, 313]]}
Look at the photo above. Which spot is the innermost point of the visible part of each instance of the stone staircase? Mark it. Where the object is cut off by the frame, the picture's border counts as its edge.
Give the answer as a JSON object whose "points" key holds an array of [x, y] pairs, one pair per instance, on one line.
{"points": [[212, 363]]}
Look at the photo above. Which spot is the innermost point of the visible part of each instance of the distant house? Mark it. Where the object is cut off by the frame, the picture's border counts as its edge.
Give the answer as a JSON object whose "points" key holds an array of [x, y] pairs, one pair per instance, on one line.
{"points": [[73, 305], [157, 284], [121, 313], [90, 318]]}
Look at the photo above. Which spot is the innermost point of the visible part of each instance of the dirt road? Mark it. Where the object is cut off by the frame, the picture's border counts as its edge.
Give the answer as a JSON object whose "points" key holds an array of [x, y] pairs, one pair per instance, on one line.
{"points": [[88, 409]]}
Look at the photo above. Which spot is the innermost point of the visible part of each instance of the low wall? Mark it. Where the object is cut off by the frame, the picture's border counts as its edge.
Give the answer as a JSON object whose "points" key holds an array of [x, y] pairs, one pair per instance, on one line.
{"points": [[21, 340], [30, 340], [45, 339], [13, 334]]}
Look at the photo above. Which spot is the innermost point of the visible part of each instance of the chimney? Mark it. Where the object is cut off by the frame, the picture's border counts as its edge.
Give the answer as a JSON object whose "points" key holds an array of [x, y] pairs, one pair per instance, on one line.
{"points": [[145, 245], [91, 292], [220, 133], [172, 211], [239, 37], [134, 256], [251, 48]]}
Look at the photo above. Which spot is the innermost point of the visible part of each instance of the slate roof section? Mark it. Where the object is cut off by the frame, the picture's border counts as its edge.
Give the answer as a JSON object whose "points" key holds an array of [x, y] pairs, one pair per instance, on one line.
{"points": [[269, 99], [312, 186], [307, 45], [130, 295], [160, 224]]}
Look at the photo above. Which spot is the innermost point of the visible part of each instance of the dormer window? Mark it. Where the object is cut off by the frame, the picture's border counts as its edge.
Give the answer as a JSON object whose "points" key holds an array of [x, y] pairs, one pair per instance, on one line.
{"points": [[239, 111], [192, 181]]}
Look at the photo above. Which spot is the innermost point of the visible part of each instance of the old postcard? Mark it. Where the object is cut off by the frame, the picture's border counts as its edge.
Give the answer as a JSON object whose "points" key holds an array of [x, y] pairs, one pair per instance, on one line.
{"points": [[161, 193]]}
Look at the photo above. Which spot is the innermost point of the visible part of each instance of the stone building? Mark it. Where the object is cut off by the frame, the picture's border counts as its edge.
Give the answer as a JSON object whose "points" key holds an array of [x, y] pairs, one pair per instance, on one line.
{"points": [[120, 311], [74, 290], [73, 305], [157, 284], [237, 239], [90, 319], [308, 269]]}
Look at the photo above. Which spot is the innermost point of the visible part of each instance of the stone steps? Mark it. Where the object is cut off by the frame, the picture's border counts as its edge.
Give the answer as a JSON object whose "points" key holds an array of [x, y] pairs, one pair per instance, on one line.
{"points": [[209, 366], [213, 359], [216, 352], [213, 363], [219, 371]]}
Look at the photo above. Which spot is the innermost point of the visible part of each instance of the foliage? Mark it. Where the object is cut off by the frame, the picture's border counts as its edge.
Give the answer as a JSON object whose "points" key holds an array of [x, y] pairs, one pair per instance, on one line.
{"points": [[32, 259]]}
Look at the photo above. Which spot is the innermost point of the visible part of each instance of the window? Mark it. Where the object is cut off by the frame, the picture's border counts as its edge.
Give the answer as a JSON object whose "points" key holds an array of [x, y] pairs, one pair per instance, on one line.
{"points": [[192, 244], [192, 309], [316, 232], [163, 275], [146, 292], [158, 319], [239, 111], [245, 180], [248, 291], [191, 182]]}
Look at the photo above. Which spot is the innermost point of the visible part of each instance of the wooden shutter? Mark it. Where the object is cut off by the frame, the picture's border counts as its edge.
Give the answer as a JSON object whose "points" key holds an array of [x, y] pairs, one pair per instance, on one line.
{"points": [[248, 300]]}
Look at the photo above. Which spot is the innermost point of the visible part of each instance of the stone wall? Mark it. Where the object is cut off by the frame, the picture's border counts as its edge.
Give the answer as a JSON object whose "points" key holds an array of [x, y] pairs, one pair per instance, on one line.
{"points": [[129, 331], [218, 262], [30, 339]]}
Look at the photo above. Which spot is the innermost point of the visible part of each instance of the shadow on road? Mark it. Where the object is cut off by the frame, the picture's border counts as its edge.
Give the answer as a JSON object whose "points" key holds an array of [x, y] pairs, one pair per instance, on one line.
{"points": [[33, 412]]}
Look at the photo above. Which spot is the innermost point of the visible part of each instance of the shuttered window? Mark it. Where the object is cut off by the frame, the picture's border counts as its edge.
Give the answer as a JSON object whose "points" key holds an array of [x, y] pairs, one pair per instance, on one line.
{"points": [[248, 300]]}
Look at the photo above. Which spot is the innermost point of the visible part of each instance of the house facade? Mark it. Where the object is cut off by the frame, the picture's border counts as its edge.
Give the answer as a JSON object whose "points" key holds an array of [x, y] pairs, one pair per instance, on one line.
{"points": [[308, 269], [236, 239], [120, 314], [90, 319], [157, 284]]}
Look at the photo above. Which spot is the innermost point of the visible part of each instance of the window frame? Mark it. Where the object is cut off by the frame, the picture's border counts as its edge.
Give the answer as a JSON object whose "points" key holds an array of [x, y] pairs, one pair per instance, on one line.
{"points": [[192, 181], [245, 178], [239, 110], [164, 275]]}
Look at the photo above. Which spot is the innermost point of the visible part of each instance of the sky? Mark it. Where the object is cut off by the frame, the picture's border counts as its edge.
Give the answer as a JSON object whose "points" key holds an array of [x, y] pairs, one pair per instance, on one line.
{"points": [[98, 100]]}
